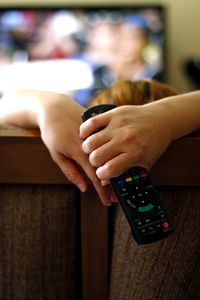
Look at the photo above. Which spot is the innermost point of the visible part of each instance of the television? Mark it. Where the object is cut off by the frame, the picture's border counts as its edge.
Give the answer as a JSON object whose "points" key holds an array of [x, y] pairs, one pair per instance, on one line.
{"points": [[80, 50]]}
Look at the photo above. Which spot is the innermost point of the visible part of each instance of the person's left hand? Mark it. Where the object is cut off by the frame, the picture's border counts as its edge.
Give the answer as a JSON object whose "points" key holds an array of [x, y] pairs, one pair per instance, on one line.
{"points": [[59, 124], [58, 117]]}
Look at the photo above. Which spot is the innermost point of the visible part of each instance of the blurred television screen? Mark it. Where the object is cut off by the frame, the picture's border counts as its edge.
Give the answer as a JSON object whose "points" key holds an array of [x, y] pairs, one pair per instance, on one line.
{"points": [[80, 51]]}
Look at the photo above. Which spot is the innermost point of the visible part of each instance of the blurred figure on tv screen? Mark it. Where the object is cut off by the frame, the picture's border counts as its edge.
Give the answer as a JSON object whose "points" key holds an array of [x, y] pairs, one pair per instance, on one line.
{"points": [[132, 61]]}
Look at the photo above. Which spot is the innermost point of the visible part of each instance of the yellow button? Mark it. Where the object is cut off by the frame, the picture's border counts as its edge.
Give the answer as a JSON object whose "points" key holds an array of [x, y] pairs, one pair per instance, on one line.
{"points": [[128, 179]]}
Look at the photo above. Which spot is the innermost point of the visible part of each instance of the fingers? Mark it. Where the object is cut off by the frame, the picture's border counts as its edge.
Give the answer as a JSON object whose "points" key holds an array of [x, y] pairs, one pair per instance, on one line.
{"points": [[72, 172], [113, 197], [104, 192], [103, 154], [105, 182], [95, 141], [114, 167], [94, 124]]}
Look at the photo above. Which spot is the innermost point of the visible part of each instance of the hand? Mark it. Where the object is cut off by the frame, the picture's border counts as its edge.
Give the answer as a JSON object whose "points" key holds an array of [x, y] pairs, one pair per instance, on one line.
{"points": [[59, 124], [58, 118], [131, 136]]}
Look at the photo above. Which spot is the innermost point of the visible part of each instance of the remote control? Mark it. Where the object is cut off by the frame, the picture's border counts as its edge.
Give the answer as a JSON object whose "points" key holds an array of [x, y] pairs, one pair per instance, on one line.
{"points": [[138, 197]]}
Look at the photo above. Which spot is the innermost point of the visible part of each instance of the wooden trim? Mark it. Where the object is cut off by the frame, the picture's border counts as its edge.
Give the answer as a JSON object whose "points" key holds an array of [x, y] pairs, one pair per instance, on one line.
{"points": [[25, 159], [10, 131], [180, 164]]}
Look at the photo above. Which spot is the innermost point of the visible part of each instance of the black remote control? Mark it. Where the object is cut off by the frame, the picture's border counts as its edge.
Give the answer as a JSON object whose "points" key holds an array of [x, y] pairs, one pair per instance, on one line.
{"points": [[138, 197]]}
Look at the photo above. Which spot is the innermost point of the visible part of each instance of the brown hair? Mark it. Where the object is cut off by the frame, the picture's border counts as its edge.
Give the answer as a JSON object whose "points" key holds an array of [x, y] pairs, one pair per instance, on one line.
{"points": [[125, 92]]}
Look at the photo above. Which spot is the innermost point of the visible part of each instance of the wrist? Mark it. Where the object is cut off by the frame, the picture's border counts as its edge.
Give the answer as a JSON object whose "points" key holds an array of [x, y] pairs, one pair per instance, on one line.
{"points": [[20, 108], [181, 113], [161, 117], [50, 107]]}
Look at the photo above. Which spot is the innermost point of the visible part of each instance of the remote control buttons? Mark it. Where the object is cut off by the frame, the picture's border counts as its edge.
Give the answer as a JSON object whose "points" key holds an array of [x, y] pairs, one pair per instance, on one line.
{"points": [[149, 226], [143, 174], [165, 225], [128, 179], [145, 208], [131, 204], [133, 178], [120, 181]]}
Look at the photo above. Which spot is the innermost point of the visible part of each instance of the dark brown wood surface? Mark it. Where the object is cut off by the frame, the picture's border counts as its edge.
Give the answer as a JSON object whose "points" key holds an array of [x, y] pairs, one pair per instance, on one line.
{"points": [[25, 159], [180, 164]]}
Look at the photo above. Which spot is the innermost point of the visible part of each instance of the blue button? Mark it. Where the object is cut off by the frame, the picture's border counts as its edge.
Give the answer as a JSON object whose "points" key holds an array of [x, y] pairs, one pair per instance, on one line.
{"points": [[121, 181]]}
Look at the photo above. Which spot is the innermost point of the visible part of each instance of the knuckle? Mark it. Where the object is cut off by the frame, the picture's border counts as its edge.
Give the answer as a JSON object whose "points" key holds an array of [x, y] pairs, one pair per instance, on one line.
{"points": [[123, 121], [129, 135], [93, 122], [87, 145], [94, 159], [109, 169]]}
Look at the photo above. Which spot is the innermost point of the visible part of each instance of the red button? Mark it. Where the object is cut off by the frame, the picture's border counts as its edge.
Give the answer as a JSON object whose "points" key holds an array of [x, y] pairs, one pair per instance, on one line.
{"points": [[165, 225], [143, 174]]}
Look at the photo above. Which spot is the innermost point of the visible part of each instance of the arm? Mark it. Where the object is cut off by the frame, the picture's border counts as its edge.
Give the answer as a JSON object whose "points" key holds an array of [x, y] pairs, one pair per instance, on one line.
{"points": [[138, 135], [58, 118]]}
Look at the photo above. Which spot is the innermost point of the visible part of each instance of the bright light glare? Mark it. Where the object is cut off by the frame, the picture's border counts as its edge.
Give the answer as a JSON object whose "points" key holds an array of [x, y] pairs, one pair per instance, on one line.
{"points": [[61, 76]]}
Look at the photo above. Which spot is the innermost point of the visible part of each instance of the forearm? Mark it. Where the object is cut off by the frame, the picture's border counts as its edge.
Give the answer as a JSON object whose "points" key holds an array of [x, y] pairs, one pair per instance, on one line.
{"points": [[181, 113], [25, 108]]}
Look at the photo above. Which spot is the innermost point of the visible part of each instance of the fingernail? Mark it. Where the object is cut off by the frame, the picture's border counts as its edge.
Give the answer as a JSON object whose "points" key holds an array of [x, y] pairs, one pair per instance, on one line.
{"points": [[108, 204], [82, 188], [104, 182], [85, 148], [99, 171], [114, 199]]}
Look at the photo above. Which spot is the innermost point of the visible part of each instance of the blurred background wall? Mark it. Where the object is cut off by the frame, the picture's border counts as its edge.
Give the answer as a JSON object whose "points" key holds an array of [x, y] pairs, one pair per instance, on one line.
{"points": [[183, 25]]}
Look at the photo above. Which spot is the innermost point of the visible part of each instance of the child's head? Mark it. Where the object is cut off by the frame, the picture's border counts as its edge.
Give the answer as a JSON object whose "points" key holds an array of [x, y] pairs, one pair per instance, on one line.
{"points": [[138, 92]]}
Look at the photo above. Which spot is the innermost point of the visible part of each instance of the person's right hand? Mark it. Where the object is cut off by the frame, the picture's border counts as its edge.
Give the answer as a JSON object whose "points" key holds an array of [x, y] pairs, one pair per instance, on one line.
{"points": [[126, 136]]}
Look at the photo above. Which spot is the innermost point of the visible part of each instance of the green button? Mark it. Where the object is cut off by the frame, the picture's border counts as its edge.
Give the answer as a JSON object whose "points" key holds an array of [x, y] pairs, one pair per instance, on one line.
{"points": [[145, 208]]}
